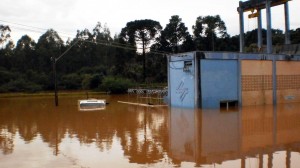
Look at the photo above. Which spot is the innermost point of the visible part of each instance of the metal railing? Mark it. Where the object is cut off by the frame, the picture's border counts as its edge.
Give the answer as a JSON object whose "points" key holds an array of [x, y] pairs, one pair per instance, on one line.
{"points": [[151, 96]]}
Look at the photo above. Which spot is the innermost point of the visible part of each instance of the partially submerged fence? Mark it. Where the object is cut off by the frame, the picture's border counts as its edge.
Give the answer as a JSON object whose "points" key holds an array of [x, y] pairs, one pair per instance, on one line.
{"points": [[151, 96]]}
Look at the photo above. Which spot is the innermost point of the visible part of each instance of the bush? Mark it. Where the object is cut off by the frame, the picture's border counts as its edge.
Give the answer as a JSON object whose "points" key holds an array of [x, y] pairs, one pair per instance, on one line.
{"points": [[71, 81], [95, 81], [6, 76], [85, 84], [116, 85], [91, 81], [39, 78], [20, 85]]}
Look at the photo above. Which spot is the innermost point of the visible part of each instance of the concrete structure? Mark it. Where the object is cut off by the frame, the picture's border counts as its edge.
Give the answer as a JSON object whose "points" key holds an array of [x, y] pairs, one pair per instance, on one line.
{"points": [[257, 6], [213, 79]]}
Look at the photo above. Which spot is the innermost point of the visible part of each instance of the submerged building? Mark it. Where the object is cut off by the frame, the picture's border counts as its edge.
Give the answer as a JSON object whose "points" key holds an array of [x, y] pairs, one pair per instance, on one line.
{"points": [[213, 79]]}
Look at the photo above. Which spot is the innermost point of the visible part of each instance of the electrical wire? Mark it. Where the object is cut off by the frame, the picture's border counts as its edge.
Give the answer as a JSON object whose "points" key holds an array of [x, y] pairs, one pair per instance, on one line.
{"points": [[32, 27], [127, 48], [24, 27]]}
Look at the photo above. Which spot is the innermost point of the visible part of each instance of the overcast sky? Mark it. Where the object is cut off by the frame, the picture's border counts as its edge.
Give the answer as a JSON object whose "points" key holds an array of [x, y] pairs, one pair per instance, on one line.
{"points": [[68, 16]]}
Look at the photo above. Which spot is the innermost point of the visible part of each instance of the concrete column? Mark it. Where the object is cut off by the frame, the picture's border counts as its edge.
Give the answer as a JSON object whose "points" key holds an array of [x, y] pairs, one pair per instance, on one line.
{"points": [[239, 77], [269, 27], [287, 23], [259, 29], [197, 80], [242, 41], [274, 81]]}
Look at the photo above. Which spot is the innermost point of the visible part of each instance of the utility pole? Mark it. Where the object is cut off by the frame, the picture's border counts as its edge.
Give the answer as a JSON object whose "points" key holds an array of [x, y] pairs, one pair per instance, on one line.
{"points": [[54, 61], [55, 82]]}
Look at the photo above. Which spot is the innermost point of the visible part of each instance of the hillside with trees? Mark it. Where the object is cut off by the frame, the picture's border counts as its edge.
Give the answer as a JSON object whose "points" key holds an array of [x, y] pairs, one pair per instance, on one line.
{"points": [[99, 61]]}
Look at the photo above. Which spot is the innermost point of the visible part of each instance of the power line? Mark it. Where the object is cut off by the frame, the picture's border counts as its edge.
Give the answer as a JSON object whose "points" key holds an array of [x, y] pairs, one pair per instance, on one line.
{"points": [[22, 25], [98, 41], [37, 31], [125, 47], [32, 27], [26, 29]]}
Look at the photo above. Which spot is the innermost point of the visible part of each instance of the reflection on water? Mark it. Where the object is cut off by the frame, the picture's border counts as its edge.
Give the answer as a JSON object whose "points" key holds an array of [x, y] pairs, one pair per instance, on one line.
{"points": [[262, 136], [34, 133]]}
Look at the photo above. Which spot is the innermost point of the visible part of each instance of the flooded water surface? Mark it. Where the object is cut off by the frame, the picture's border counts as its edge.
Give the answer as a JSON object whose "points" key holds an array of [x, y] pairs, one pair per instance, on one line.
{"points": [[35, 133]]}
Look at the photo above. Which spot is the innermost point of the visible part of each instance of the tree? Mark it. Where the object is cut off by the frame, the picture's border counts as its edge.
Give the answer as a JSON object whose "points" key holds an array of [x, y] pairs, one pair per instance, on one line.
{"points": [[210, 27], [251, 38], [24, 56], [198, 33], [25, 42], [141, 33], [124, 63], [7, 51], [295, 36], [6, 55], [83, 53], [277, 37], [176, 34], [50, 39], [101, 33], [103, 52], [49, 45], [4, 34]]}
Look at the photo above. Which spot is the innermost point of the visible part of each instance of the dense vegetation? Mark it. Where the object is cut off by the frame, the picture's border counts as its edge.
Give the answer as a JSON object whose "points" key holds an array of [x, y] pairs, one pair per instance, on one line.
{"points": [[95, 60]]}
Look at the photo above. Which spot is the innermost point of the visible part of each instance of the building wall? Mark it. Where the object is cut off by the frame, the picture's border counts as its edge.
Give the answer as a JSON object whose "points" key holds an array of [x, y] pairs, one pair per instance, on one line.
{"points": [[213, 77], [182, 82], [288, 81], [219, 82], [256, 81]]}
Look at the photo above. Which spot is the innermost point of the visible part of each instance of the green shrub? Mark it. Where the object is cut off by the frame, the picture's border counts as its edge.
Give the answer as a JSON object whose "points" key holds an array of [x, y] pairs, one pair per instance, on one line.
{"points": [[116, 85], [71, 81], [6, 76], [36, 77], [95, 81], [85, 83], [91, 81], [20, 85]]}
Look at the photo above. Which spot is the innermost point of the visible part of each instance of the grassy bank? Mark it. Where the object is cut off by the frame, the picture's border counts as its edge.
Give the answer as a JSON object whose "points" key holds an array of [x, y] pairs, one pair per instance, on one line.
{"points": [[41, 94]]}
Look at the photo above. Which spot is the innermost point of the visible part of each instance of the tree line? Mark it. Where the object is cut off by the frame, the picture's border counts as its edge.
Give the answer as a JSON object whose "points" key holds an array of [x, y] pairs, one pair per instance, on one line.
{"points": [[96, 60]]}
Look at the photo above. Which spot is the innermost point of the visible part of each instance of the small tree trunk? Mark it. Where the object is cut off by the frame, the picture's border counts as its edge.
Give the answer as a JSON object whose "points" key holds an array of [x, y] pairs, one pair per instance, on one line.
{"points": [[144, 62]]}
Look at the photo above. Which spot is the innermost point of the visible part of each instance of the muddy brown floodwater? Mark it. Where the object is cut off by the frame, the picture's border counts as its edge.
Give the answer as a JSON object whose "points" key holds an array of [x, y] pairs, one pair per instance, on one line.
{"points": [[35, 133]]}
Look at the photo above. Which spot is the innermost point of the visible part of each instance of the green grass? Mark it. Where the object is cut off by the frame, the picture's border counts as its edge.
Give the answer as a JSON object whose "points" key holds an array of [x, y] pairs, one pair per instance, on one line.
{"points": [[42, 94]]}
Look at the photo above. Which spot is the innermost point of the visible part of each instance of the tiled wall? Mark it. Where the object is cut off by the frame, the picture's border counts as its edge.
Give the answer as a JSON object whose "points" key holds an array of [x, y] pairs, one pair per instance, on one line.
{"points": [[256, 81], [288, 81]]}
